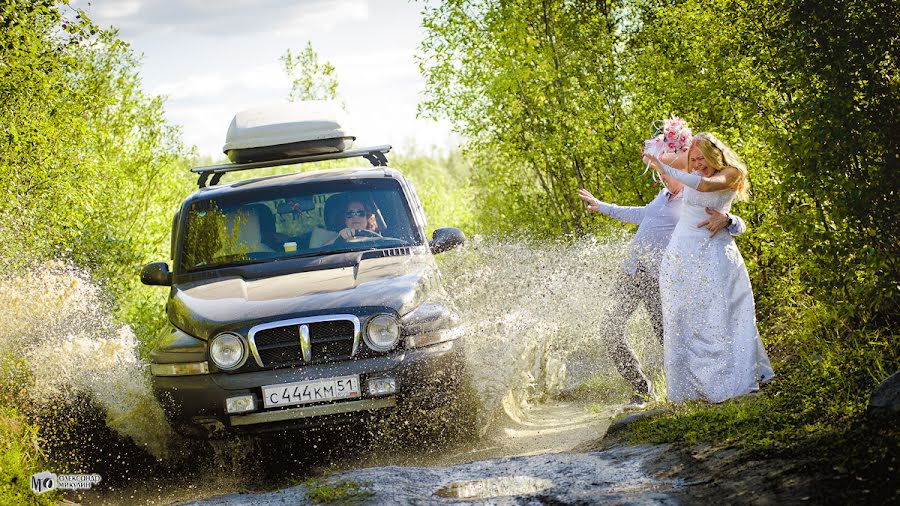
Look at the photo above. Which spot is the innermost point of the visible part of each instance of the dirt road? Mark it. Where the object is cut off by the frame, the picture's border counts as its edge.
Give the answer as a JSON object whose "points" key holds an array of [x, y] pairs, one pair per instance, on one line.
{"points": [[523, 458]]}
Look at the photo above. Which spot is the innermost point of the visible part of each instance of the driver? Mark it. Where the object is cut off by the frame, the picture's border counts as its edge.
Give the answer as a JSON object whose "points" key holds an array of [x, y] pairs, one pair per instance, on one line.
{"points": [[358, 217]]}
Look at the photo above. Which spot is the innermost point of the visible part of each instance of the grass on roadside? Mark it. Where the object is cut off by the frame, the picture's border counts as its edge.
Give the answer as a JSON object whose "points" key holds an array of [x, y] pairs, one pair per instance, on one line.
{"points": [[21, 454], [321, 490], [822, 390], [815, 411], [20, 457]]}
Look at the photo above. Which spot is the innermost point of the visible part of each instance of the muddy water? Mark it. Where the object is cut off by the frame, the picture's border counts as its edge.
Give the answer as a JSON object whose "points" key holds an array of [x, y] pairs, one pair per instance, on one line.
{"points": [[610, 477], [531, 315]]}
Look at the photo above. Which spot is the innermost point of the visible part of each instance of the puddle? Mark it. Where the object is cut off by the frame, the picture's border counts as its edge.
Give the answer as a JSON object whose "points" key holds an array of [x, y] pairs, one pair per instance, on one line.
{"points": [[616, 476], [493, 487]]}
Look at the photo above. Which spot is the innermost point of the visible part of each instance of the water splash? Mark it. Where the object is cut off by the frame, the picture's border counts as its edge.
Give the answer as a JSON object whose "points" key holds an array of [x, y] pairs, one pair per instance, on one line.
{"points": [[56, 323], [533, 313]]}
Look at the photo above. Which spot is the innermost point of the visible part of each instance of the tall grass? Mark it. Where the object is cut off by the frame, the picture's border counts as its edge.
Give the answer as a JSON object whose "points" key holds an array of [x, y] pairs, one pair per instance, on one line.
{"points": [[825, 373]]}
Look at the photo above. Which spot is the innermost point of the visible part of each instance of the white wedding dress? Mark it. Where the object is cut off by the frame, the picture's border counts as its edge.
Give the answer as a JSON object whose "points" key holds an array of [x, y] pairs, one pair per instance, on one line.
{"points": [[712, 348]]}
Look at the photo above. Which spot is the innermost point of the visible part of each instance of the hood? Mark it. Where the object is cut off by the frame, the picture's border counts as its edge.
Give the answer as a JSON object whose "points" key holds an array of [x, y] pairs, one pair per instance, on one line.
{"points": [[398, 284]]}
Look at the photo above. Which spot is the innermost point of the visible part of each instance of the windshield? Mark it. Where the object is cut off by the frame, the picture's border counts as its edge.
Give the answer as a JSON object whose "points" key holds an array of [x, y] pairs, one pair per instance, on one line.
{"points": [[296, 220]]}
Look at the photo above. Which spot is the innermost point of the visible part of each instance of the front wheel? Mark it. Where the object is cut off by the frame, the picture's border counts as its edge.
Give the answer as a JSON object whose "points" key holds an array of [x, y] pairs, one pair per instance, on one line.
{"points": [[450, 419]]}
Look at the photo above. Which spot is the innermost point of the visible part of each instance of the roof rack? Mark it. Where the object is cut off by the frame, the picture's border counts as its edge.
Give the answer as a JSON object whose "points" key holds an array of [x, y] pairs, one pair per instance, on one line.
{"points": [[375, 156]]}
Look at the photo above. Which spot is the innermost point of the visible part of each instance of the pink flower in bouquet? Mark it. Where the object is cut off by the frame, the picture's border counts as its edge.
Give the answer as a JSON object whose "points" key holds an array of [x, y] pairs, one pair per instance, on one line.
{"points": [[677, 133], [673, 135]]}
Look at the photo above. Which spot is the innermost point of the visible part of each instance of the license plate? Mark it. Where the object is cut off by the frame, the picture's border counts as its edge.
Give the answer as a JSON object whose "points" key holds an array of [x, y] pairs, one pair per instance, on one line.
{"points": [[304, 392]]}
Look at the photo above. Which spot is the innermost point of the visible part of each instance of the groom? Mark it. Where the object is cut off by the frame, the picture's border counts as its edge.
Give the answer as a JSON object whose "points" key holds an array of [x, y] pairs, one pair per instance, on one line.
{"points": [[639, 280]]}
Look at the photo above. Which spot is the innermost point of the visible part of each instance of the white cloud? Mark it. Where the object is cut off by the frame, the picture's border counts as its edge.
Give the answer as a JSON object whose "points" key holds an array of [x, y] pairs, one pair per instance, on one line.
{"points": [[213, 59], [119, 10], [218, 86], [223, 17]]}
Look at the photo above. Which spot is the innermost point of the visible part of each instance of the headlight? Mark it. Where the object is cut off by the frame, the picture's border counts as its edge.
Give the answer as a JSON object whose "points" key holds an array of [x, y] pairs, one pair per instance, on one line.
{"points": [[428, 317], [430, 323], [227, 351], [382, 332]]}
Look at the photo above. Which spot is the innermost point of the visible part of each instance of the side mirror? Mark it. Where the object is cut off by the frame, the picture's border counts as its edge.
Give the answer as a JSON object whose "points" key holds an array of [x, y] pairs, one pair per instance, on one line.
{"points": [[444, 239], [156, 273]]}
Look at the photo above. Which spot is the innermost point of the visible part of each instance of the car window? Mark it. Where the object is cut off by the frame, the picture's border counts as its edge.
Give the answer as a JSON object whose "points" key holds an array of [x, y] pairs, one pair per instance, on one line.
{"points": [[296, 220]]}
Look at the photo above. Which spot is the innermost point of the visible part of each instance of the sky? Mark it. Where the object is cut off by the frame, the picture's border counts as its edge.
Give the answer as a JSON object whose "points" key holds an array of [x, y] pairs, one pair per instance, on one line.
{"points": [[213, 59]]}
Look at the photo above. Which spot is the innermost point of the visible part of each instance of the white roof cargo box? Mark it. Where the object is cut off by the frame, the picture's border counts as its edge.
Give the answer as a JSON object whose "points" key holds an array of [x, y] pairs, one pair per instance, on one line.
{"points": [[287, 130]]}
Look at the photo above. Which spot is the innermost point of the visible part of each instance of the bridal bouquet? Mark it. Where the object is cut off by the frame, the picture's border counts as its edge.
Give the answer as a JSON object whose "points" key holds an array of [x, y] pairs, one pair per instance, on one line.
{"points": [[673, 135]]}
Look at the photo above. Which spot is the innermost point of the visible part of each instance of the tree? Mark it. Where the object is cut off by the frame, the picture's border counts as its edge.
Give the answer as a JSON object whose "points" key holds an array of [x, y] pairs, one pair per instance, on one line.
{"points": [[311, 80], [534, 86], [553, 95], [92, 172]]}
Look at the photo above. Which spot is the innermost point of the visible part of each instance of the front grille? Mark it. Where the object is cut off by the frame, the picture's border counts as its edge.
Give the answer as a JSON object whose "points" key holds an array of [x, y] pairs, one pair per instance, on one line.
{"points": [[330, 340], [281, 356], [279, 336]]}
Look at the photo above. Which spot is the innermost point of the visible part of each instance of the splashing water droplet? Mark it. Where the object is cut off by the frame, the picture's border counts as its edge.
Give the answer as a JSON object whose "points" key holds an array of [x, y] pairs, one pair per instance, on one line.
{"points": [[56, 322]]}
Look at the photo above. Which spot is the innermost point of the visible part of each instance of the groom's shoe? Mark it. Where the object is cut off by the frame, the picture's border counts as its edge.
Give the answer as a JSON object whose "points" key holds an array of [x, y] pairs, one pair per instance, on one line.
{"points": [[641, 401], [637, 402]]}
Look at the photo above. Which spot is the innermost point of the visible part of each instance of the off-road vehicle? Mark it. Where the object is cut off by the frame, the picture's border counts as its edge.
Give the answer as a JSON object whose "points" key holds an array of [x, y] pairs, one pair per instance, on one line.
{"points": [[301, 299]]}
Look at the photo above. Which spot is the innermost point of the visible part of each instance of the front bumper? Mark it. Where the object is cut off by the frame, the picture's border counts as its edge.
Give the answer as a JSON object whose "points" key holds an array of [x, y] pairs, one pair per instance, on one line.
{"points": [[195, 405]]}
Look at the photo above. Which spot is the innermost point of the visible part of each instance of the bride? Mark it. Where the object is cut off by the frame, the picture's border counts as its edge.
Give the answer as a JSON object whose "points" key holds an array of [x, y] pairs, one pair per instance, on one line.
{"points": [[712, 348]]}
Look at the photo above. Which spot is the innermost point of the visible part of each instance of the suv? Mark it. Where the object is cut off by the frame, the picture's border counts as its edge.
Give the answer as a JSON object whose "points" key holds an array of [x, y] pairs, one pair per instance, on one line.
{"points": [[303, 299]]}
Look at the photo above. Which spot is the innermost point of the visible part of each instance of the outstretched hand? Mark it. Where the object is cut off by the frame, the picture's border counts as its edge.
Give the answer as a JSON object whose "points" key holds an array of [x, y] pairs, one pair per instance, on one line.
{"points": [[592, 203], [715, 223], [653, 161]]}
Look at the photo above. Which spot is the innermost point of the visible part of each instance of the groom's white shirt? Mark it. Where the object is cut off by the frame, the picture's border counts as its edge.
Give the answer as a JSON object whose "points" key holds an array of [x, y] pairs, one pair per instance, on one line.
{"points": [[656, 221]]}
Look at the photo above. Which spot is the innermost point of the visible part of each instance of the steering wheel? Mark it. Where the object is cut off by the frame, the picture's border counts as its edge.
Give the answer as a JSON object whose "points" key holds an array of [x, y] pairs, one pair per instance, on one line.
{"points": [[358, 236]]}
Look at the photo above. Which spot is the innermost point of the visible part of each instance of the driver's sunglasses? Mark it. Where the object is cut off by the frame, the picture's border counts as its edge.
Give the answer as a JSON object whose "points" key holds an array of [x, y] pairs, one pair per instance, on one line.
{"points": [[359, 212]]}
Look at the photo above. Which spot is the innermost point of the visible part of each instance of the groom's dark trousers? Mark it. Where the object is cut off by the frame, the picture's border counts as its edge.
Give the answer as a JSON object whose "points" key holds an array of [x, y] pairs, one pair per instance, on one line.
{"points": [[638, 279], [630, 291]]}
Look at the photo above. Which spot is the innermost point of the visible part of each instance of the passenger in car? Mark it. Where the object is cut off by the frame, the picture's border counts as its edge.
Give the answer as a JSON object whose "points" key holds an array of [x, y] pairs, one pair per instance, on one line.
{"points": [[250, 223], [268, 236]]}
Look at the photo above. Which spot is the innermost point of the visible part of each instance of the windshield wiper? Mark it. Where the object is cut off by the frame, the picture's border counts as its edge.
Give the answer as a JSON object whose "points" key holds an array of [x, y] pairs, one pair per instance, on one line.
{"points": [[233, 263], [349, 250], [327, 252]]}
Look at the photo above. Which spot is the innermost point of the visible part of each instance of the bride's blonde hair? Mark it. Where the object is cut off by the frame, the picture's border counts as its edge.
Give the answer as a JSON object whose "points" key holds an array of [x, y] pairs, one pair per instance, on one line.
{"points": [[719, 156]]}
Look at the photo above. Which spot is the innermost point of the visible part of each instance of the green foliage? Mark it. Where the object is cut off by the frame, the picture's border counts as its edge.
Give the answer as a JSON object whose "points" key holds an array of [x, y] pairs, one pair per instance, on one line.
{"points": [[20, 445], [535, 87], [311, 80], [800, 89], [556, 95], [20, 457], [91, 170], [443, 185], [91, 174]]}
